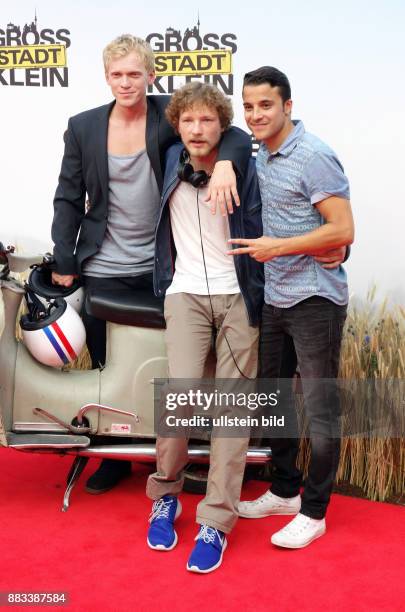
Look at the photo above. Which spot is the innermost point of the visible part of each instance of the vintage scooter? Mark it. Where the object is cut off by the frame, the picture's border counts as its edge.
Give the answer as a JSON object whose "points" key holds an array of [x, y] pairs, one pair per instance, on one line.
{"points": [[43, 409]]}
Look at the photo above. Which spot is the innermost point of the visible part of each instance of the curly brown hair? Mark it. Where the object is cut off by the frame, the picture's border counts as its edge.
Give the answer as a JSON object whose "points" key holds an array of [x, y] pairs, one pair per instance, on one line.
{"points": [[199, 94]]}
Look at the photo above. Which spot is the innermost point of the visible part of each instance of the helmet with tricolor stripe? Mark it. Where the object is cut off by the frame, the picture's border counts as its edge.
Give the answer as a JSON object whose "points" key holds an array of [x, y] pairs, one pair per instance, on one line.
{"points": [[54, 334], [40, 282]]}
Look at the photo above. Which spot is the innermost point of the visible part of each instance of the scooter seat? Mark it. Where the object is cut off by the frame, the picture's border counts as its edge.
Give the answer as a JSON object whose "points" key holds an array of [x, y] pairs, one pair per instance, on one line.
{"points": [[137, 308]]}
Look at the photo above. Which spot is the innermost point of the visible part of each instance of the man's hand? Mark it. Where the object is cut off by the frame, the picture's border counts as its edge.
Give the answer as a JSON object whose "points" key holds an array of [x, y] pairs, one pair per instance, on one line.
{"points": [[265, 249], [65, 280], [332, 258], [337, 231], [222, 187], [261, 249]]}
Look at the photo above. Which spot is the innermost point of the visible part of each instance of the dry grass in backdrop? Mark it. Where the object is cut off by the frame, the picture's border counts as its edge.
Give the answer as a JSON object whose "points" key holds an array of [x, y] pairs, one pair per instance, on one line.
{"points": [[373, 348]]}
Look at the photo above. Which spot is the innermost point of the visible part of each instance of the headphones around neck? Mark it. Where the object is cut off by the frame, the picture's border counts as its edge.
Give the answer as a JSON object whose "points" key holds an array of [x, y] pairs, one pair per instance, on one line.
{"points": [[185, 172]]}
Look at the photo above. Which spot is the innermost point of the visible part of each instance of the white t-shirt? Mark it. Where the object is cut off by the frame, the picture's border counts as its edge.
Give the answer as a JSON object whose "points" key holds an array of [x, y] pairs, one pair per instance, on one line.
{"points": [[189, 275]]}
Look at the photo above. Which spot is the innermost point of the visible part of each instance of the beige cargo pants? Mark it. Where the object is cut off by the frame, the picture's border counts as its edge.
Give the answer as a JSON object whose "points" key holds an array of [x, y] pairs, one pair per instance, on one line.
{"points": [[188, 340]]}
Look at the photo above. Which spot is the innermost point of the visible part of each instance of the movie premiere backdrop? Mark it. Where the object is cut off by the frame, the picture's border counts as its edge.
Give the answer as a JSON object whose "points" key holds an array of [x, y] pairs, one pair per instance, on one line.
{"points": [[345, 61]]}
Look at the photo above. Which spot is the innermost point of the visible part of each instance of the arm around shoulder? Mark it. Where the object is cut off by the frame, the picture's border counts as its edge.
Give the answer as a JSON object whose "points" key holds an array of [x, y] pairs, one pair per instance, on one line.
{"points": [[236, 146], [251, 203]]}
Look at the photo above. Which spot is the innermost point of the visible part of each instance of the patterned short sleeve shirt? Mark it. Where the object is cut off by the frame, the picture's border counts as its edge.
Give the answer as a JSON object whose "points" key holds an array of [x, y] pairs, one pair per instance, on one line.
{"points": [[292, 180]]}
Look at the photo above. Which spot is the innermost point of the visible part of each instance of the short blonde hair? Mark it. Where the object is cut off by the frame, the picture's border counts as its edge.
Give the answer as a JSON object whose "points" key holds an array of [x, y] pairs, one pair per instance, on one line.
{"points": [[198, 94], [126, 43]]}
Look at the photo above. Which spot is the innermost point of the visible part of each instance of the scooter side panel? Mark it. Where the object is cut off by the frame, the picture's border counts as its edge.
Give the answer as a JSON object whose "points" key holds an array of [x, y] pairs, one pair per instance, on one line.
{"points": [[61, 393], [11, 295], [135, 356]]}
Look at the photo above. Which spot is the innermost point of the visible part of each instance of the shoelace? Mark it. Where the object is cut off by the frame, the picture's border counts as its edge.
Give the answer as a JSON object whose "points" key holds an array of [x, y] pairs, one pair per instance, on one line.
{"points": [[261, 500], [207, 534], [268, 497], [160, 509], [298, 524]]}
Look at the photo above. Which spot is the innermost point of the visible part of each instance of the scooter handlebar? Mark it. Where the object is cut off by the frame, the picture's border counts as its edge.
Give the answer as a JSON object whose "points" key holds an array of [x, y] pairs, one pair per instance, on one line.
{"points": [[19, 263], [4, 253]]}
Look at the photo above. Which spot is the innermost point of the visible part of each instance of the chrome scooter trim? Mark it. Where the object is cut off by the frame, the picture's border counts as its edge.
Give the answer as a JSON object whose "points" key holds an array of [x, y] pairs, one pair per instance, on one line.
{"points": [[38, 427], [147, 453], [88, 407]]}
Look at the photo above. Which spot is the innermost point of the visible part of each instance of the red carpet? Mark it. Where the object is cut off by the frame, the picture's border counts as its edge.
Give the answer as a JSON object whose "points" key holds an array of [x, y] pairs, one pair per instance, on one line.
{"points": [[97, 551]]}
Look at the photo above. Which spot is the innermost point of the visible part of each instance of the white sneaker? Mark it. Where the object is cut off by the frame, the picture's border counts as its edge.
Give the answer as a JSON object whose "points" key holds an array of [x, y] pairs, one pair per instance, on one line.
{"points": [[299, 532], [269, 504]]}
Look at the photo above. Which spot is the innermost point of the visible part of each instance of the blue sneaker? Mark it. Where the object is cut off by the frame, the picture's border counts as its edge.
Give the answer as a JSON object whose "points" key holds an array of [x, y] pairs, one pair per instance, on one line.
{"points": [[207, 553], [161, 533]]}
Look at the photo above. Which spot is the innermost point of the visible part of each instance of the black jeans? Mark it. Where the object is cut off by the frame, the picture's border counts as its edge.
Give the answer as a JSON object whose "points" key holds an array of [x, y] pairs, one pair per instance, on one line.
{"points": [[315, 326], [96, 328]]}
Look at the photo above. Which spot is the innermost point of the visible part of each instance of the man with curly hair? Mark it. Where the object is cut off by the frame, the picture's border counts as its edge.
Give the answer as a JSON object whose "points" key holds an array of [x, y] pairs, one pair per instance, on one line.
{"points": [[209, 296]]}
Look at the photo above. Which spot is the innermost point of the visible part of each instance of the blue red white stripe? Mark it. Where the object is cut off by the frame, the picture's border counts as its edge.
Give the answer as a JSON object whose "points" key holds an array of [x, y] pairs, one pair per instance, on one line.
{"points": [[60, 343], [68, 347]]}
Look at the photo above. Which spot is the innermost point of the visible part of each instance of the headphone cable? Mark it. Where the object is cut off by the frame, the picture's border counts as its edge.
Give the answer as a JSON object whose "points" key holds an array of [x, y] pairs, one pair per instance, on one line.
{"points": [[209, 294]]}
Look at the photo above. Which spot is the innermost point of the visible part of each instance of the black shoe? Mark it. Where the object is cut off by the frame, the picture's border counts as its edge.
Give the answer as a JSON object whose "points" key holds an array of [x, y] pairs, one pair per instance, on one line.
{"points": [[109, 474]]}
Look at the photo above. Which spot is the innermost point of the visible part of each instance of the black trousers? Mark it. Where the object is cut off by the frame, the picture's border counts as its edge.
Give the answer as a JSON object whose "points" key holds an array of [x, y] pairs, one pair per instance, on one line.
{"points": [[315, 327], [96, 328]]}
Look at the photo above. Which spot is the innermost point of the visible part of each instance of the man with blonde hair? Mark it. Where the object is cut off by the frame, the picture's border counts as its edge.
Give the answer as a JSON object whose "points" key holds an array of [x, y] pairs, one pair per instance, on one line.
{"points": [[114, 157]]}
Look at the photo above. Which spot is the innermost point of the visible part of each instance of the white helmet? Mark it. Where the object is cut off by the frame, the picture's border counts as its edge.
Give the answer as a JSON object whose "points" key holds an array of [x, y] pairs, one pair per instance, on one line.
{"points": [[40, 282], [54, 334]]}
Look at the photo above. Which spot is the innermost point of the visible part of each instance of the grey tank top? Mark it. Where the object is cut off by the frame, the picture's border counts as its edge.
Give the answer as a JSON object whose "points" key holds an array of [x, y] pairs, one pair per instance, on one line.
{"points": [[128, 245]]}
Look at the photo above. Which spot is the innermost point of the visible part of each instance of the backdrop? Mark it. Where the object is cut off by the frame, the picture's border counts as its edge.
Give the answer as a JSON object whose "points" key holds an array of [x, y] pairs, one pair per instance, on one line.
{"points": [[345, 62]]}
